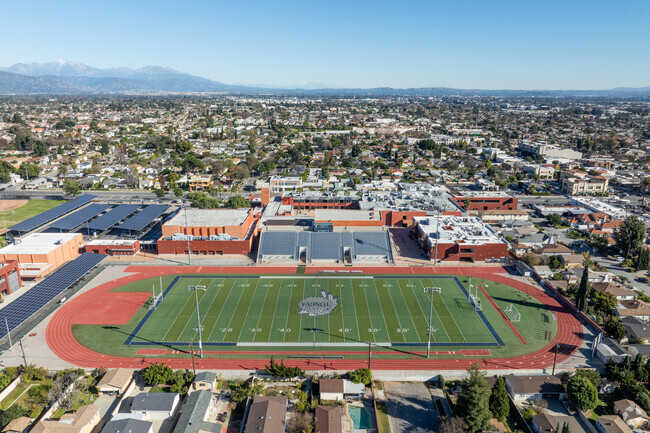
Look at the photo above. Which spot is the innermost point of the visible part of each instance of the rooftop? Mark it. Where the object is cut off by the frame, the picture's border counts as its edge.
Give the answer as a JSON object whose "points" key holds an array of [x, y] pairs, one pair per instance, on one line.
{"points": [[39, 243], [460, 229], [347, 215], [209, 217]]}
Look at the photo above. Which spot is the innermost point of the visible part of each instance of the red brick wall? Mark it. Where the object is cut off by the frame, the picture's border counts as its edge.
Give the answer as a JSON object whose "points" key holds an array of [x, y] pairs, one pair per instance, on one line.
{"points": [[113, 249], [487, 203], [205, 247]]}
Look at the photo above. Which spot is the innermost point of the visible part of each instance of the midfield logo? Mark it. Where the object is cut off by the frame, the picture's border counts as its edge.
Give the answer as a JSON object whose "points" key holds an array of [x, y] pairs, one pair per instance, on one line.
{"points": [[318, 306]]}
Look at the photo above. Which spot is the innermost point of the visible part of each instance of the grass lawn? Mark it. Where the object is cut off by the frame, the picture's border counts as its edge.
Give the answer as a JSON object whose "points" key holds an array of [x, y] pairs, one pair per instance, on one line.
{"points": [[382, 415], [264, 312], [33, 207]]}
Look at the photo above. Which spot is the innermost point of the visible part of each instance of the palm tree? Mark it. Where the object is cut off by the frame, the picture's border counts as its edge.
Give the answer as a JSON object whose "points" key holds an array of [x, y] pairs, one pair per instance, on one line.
{"points": [[644, 186]]}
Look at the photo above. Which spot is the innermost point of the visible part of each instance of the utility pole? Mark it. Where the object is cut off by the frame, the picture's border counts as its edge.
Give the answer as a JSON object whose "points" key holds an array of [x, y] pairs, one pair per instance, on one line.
{"points": [[22, 349], [195, 289], [557, 348], [192, 352], [369, 353], [9, 334], [430, 291]]}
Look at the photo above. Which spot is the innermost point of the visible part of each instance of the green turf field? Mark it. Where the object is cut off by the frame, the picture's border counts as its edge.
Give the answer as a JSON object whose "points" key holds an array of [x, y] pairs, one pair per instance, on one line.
{"points": [[267, 310], [255, 313], [33, 207]]}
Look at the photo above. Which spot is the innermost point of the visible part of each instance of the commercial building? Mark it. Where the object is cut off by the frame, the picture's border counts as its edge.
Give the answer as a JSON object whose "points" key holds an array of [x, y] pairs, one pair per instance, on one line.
{"points": [[349, 217], [9, 277], [587, 185], [210, 232], [199, 183], [39, 254], [459, 239], [113, 247], [484, 200], [547, 151]]}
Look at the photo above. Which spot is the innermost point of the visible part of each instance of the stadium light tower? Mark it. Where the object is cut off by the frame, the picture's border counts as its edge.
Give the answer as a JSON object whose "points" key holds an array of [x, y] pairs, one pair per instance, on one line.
{"points": [[430, 291], [187, 233], [195, 289]]}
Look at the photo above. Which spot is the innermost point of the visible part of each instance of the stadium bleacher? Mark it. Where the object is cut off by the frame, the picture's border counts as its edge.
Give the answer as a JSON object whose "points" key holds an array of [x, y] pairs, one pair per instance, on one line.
{"points": [[28, 304]]}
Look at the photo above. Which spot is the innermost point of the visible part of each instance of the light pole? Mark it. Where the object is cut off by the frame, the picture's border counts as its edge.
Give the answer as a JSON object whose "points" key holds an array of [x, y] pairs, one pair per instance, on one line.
{"points": [[430, 291], [187, 233], [195, 289], [435, 250]]}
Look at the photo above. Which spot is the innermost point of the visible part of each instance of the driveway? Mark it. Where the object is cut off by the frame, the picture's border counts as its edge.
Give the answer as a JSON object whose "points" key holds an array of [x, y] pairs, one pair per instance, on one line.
{"points": [[410, 408]]}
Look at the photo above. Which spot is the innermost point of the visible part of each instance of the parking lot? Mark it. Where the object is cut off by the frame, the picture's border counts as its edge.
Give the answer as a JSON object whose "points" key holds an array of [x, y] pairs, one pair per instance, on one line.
{"points": [[410, 408]]}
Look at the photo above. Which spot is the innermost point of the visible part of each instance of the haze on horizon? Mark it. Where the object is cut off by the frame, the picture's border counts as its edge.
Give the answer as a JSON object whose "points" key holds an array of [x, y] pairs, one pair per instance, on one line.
{"points": [[504, 44]]}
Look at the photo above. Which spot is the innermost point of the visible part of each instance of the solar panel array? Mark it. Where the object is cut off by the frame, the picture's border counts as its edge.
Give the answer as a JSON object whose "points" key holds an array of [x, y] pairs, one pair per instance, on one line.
{"points": [[143, 218], [52, 214], [79, 217], [42, 293], [114, 216]]}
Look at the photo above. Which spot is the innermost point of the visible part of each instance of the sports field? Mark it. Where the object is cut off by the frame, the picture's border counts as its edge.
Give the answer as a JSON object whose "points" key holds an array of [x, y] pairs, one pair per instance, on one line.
{"points": [[326, 315], [268, 310]]}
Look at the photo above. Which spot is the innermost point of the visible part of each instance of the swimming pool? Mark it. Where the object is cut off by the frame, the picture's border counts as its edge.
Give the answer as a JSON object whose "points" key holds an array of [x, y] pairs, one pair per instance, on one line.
{"points": [[360, 417]]}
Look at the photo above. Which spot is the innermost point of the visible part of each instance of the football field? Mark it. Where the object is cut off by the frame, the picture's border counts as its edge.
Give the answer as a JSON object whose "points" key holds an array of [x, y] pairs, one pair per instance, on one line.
{"points": [[316, 310]]}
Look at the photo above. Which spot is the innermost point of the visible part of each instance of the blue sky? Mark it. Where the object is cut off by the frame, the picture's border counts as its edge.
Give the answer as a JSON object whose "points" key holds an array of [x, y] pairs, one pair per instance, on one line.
{"points": [[522, 44]]}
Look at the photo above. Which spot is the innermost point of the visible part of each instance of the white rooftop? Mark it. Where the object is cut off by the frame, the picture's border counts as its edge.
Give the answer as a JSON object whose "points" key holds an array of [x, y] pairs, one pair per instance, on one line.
{"points": [[452, 229], [210, 217], [127, 242], [39, 243], [346, 215], [472, 193]]}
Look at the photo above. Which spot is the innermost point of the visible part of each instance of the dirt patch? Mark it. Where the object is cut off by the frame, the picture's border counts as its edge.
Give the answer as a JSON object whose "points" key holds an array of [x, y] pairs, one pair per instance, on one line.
{"points": [[112, 308], [12, 204]]}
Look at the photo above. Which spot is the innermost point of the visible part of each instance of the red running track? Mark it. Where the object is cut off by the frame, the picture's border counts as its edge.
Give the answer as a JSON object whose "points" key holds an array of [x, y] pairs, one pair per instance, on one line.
{"points": [[61, 340]]}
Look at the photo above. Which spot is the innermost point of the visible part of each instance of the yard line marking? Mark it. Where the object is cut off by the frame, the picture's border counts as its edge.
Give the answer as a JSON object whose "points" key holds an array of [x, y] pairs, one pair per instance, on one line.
{"points": [[250, 299], [202, 296], [439, 295], [425, 312], [382, 314], [229, 290], [178, 315]]}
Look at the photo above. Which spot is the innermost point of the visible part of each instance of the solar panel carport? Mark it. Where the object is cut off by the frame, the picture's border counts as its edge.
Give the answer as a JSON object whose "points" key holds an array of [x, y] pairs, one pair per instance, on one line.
{"points": [[50, 215], [42, 293], [112, 217], [143, 218], [79, 217]]}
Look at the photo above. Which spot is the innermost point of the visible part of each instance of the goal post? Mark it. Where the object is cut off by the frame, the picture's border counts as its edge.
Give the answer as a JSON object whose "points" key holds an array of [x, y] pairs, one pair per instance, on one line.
{"points": [[512, 313]]}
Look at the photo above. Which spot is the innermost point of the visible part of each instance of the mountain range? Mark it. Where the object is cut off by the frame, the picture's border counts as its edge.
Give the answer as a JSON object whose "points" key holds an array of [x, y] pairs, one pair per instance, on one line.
{"points": [[63, 77]]}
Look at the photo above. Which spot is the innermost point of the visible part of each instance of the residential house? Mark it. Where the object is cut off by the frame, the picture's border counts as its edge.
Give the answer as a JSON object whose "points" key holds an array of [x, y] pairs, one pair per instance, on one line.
{"points": [[572, 260], [197, 414], [18, 425], [632, 414], [82, 421], [635, 308], [337, 389], [611, 349], [328, 419], [612, 424], [128, 425], [544, 423], [616, 290], [204, 381], [115, 381], [267, 414], [155, 405], [522, 388], [636, 329], [555, 250]]}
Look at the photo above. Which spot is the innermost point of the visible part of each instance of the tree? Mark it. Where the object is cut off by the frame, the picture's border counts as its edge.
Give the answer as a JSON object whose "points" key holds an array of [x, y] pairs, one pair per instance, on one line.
{"points": [[240, 173], [241, 391], [14, 411], [40, 149], [31, 170], [105, 147], [236, 202], [156, 374], [452, 425], [554, 219], [614, 328], [591, 375], [71, 187], [467, 203], [629, 236], [361, 375], [474, 400], [281, 370], [582, 392], [160, 193], [583, 290], [499, 404], [554, 262], [643, 259]]}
